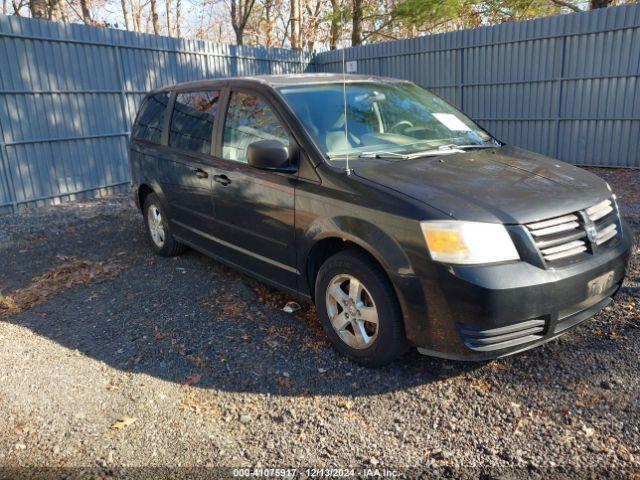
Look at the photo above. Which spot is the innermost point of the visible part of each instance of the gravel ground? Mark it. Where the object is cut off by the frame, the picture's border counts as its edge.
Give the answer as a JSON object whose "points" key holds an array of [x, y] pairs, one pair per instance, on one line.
{"points": [[204, 369]]}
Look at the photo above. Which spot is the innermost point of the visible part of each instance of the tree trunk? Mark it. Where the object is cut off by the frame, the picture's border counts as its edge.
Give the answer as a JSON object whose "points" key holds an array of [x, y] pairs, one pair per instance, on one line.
{"points": [[85, 6], [335, 25], [4, 7], [356, 33], [177, 26], [295, 25], [154, 18], [125, 14], [169, 13], [593, 4], [268, 31], [235, 22], [53, 10], [38, 8]]}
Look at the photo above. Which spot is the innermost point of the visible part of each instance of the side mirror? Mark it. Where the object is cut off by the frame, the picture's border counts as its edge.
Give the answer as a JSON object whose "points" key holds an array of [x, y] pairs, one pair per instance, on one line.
{"points": [[269, 155]]}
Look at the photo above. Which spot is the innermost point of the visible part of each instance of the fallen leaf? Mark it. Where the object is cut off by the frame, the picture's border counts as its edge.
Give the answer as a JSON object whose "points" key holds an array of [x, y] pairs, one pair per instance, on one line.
{"points": [[346, 404], [192, 380], [588, 431], [123, 422]]}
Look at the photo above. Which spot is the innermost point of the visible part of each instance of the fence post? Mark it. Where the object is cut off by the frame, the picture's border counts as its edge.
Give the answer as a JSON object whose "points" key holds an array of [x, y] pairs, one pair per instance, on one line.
{"points": [[461, 82], [123, 97], [123, 101], [560, 82], [4, 156]]}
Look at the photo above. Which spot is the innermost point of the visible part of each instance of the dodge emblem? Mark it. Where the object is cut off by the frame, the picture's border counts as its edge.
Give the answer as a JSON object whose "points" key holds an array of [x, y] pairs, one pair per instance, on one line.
{"points": [[592, 233]]}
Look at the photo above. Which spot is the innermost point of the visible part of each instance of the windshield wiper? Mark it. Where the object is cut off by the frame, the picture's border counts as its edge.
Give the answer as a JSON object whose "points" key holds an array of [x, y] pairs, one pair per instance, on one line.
{"points": [[402, 156], [470, 146]]}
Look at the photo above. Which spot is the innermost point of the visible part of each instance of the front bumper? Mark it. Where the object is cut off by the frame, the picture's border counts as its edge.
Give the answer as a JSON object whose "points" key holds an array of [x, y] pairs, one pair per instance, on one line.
{"points": [[483, 312]]}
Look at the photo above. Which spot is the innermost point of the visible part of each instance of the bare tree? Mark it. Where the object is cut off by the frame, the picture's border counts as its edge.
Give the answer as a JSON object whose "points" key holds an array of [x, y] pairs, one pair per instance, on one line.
{"points": [[154, 17], [17, 6], [295, 25], [38, 8], [177, 27], [125, 14], [334, 36], [358, 14], [240, 12], [268, 24], [85, 6], [168, 5]]}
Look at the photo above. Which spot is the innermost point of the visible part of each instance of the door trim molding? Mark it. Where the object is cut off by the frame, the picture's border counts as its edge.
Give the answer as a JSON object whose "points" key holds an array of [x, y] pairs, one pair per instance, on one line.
{"points": [[239, 249]]}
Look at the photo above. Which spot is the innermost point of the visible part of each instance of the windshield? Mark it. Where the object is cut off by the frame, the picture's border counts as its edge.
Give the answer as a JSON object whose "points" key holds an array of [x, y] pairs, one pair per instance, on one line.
{"points": [[384, 120]]}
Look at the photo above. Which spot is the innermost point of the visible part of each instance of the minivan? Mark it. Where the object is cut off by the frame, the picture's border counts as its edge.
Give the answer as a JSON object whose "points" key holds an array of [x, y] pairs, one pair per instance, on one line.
{"points": [[406, 223]]}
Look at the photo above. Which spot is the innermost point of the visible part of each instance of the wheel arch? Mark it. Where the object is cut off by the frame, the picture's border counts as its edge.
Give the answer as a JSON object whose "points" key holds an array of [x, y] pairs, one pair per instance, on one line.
{"points": [[144, 191]]}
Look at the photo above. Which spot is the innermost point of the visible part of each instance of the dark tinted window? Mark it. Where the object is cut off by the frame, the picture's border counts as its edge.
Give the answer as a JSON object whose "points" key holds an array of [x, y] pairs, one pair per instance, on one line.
{"points": [[151, 118], [249, 119], [192, 121]]}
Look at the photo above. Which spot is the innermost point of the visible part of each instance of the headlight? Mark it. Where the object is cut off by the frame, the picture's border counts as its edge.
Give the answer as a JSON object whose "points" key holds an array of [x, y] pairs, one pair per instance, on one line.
{"points": [[452, 241]]}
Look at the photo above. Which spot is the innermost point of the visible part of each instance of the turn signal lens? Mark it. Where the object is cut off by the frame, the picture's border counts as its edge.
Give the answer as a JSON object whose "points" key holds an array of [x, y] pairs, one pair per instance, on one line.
{"points": [[452, 241]]}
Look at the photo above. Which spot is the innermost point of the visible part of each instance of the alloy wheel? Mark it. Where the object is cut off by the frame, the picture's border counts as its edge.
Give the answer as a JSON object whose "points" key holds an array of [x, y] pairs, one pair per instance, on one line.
{"points": [[156, 227], [352, 311]]}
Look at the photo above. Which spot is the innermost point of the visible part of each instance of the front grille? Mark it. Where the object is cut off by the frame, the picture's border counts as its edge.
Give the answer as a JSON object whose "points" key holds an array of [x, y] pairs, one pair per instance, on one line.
{"points": [[502, 337], [561, 238]]}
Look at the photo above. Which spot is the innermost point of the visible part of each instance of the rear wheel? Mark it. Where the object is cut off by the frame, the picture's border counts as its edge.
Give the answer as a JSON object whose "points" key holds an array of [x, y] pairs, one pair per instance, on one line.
{"points": [[158, 232], [358, 309]]}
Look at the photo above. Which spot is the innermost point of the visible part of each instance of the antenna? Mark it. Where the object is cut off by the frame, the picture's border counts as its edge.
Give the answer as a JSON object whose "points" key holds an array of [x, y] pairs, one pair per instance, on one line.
{"points": [[344, 90]]}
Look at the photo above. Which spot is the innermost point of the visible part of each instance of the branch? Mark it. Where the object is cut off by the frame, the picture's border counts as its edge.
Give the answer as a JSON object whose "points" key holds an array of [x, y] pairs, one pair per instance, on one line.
{"points": [[566, 4]]}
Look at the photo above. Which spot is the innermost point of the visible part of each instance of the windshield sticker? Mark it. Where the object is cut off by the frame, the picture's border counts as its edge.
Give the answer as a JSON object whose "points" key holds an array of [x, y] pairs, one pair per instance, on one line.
{"points": [[452, 122]]}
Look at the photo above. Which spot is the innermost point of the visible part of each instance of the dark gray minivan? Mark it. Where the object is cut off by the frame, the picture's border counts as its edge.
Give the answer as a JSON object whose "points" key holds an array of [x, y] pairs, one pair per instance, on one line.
{"points": [[404, 221]]}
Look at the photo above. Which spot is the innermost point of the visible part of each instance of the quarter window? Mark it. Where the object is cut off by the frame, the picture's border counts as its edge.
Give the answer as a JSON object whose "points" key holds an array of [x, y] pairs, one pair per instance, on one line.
{"points": [[249, 119], [151, 118], [192, 121]]}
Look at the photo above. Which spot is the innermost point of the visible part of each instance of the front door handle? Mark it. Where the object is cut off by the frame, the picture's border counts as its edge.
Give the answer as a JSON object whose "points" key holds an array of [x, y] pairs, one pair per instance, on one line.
{"points": [[200, 173], [222, 179]]}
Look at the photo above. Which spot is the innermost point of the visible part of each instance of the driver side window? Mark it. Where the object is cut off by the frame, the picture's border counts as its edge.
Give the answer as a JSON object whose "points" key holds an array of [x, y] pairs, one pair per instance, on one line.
{"points": [[249, 119]]}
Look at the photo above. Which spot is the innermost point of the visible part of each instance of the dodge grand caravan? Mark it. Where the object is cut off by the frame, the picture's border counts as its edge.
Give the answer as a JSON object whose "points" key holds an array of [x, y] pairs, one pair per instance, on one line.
{"points": [[404, 221]]}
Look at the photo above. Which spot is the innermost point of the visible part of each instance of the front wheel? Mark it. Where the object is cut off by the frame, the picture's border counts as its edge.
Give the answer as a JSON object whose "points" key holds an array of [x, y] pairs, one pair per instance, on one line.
{"points": [[358, 309]]}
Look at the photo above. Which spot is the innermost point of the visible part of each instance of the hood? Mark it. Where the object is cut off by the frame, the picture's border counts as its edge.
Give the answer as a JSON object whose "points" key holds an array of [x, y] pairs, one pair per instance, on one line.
{"points": [[506, 184]]}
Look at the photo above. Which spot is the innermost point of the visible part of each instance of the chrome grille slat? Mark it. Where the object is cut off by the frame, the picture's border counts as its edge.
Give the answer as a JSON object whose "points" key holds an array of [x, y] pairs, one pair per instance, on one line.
{"points": [[566, 253], [562, 248], [606, 234], [552, 242], [563, 227], [552, 222], [599, 210], [566, 236]]}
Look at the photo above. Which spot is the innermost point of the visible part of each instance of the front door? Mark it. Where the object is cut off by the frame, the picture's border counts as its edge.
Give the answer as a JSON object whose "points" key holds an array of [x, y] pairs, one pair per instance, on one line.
{"points": [[254, 208]]}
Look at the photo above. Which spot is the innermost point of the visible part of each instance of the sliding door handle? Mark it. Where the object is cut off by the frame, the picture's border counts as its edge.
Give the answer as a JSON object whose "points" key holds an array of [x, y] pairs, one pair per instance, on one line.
{"points": [[222, 179], [200, 173]]}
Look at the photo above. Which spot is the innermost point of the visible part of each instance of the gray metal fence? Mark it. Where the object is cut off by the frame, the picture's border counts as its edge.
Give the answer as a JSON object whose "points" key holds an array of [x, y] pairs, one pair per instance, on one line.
{"points": [[68, 94], [566, 86]]}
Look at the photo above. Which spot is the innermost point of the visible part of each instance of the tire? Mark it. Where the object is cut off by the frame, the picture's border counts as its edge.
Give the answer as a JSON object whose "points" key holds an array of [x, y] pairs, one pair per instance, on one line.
{"points": [[367, 343], [158, 232]]}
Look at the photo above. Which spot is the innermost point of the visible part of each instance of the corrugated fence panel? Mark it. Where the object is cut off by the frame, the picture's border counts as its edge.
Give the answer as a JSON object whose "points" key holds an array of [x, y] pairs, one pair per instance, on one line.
{"points": [[70, 93], [566, 86]]}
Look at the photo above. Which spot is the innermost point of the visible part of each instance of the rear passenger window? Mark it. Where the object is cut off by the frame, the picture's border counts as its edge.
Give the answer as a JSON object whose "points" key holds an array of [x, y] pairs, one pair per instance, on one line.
{"points": [[192, 121], [249, 119], [151, 118]]}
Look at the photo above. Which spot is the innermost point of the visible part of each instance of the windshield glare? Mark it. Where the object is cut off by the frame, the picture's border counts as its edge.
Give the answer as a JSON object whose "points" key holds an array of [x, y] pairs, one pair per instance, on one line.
{"points": [[389, 119]]}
